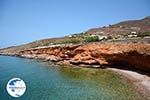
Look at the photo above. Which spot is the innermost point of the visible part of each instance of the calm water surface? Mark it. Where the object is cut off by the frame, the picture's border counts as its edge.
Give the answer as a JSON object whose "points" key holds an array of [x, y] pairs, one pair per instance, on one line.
{"points": [[46, 81]]}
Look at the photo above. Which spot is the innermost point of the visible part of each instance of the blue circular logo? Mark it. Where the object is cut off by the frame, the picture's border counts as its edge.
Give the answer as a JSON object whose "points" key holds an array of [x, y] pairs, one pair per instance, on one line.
{"points": [[16, 87]]}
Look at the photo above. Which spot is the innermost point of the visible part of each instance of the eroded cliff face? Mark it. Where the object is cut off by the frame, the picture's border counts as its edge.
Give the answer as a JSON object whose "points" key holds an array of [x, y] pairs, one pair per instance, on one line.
{"points": [[130, 56]]}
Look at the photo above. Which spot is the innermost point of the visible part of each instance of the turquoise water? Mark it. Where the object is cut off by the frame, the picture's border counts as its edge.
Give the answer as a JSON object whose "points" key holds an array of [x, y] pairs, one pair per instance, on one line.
{"points": [[46, 81]]}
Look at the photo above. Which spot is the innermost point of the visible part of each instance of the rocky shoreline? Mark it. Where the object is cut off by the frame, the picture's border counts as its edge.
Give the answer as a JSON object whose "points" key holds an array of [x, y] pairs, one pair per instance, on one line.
{"points": [[133, 56], [125, 59]]}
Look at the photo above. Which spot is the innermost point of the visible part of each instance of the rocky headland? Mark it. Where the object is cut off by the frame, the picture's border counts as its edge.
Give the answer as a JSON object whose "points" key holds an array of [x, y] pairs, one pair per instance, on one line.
{"points": [[130, 60], [123, 48], [134, 56]]}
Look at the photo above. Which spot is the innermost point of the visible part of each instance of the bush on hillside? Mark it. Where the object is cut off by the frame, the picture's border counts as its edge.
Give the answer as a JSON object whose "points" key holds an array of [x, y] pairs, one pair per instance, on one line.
{"points": [[92, 39], [72, 40]]}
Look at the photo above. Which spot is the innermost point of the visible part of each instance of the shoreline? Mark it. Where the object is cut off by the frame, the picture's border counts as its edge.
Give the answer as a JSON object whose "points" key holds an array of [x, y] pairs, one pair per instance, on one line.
{"points": [[140, 81], [121, 58]]}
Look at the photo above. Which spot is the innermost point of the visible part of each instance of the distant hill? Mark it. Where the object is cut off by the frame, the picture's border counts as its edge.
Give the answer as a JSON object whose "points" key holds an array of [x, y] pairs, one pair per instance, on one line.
{"points": [[34, 44], [122, 28]]}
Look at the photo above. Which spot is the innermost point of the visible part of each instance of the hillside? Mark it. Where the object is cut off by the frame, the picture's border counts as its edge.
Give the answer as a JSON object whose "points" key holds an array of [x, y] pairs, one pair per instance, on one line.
{"points": [[126, 27], [138, 29]]}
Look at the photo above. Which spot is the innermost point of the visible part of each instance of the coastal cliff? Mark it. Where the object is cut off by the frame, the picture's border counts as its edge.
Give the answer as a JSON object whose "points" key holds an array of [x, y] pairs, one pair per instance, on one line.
{"points": [[123, 48], [134, 56], [130, 60]]}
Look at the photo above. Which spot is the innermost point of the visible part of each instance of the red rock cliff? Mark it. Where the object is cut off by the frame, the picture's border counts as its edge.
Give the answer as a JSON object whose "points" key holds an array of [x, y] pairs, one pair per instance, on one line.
{"points": [[132, 56]]}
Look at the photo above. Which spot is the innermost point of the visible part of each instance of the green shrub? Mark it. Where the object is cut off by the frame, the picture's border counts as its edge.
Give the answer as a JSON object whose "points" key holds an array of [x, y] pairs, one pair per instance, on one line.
{"points": [[68, 40], [45, 44], [92, 39], [72, 40]]}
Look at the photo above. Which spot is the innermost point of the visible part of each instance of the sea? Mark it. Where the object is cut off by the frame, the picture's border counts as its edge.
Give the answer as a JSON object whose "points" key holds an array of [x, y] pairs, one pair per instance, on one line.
{"points": [[48, 81]]}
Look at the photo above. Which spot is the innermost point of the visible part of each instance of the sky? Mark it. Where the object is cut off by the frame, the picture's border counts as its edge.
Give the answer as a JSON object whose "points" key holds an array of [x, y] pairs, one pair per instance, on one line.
{"points": [[24, 21]]}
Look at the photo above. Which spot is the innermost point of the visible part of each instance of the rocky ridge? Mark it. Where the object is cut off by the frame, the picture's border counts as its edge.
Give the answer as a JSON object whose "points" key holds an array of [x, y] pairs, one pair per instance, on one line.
{"points": [[134, 56]]}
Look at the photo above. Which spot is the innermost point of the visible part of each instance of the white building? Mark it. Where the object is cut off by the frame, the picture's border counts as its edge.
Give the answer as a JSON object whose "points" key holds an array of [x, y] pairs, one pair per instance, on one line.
{"points": [[132, 35], [134, 32], [102, 37]]}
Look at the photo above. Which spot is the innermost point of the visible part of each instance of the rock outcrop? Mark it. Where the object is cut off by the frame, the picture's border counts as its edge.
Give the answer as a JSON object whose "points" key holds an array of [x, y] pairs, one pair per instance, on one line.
{"points": [[126, 56]]}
